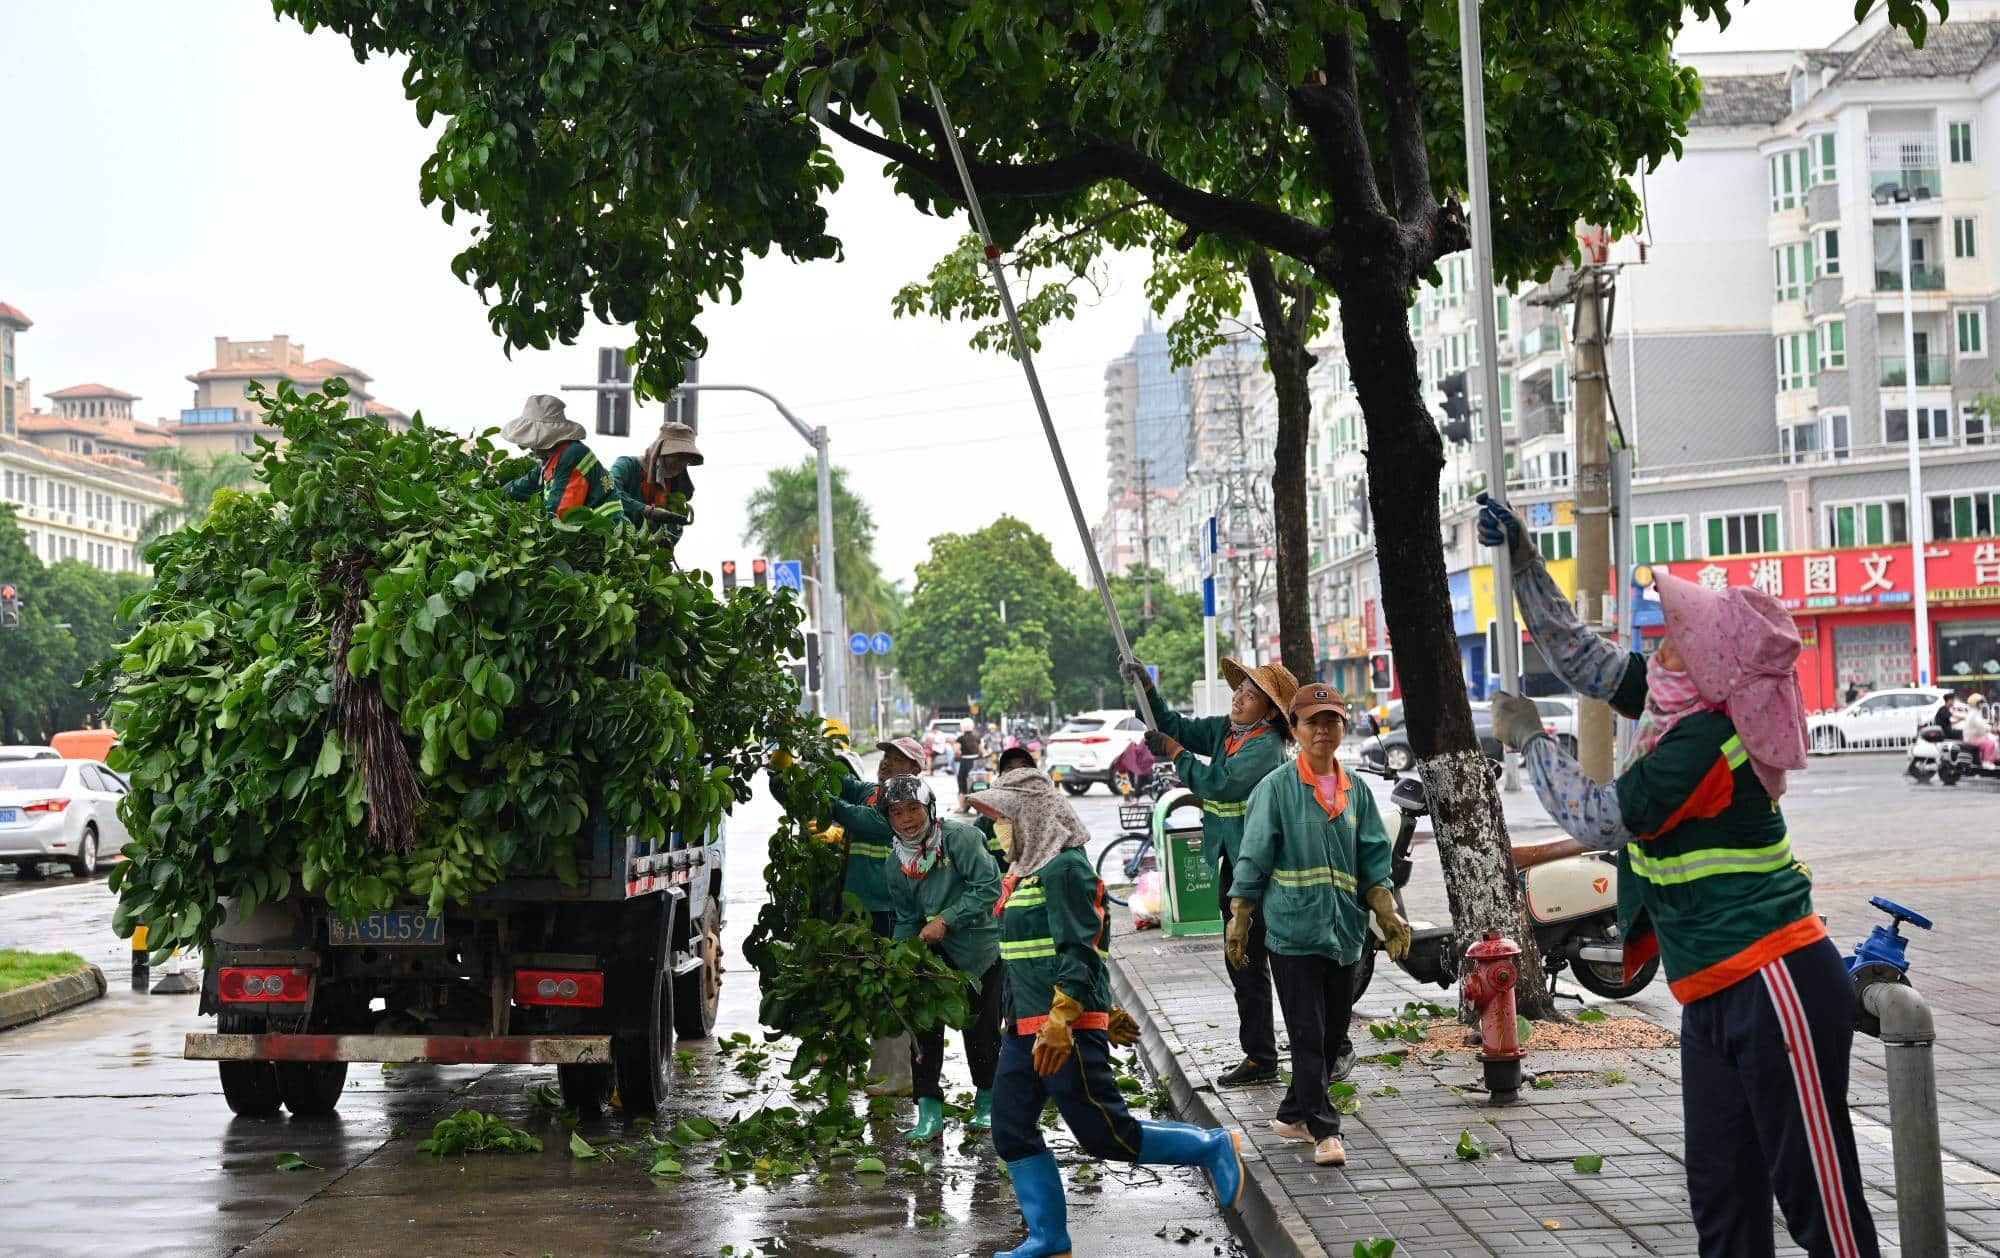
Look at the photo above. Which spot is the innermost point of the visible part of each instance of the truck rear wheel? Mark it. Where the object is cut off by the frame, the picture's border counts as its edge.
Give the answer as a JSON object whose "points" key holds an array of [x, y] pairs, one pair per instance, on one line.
{"points": [[699, 991], [584, 1089], [642, 1043], [311, 1089], [250, 1088]]}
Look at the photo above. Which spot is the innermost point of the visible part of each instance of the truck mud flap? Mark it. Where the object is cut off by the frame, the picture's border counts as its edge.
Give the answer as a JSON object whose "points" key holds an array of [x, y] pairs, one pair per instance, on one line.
{"points": [[532, 1050]]}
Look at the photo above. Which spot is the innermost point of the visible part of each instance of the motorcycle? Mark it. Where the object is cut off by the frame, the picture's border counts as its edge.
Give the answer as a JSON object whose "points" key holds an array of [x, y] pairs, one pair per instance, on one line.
{"points": [[1950, 760], [1572, 902]]}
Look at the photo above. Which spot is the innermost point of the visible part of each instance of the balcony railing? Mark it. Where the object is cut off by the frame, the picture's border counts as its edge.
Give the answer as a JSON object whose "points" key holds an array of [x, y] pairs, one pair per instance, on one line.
{"points": [[1925, 277], [1536, 340], [1903, 161], [1932, 369], [1921, 182]]}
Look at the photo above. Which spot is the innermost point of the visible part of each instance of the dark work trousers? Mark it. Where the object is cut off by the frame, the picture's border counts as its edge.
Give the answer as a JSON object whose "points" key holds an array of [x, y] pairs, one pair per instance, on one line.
{"points": [[982, 1042], [1317, 994], [1254, 1028], [966, 764], [1085, 1090], [1764, 1104]]}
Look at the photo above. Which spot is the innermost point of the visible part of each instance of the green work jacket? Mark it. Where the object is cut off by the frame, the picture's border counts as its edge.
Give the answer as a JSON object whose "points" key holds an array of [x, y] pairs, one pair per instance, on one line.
{"points": [[870, 841], [571, 477], [631, 481], [962, 888], [1225, 779], [996, 847], [1055, 933], [1311, 867]]}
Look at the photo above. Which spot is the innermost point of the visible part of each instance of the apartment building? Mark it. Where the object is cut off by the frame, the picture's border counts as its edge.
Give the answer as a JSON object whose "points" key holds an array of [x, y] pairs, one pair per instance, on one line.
{"points": [[76, 475], [224, 421]]}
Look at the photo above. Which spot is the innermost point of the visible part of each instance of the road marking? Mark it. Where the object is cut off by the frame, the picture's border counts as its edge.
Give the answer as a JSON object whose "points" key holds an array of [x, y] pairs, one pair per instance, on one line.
{"points": [[1903, 882], [70, 886]]}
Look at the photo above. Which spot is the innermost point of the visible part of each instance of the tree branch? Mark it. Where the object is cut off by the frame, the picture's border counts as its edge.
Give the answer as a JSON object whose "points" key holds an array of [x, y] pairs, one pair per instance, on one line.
{"points": [[1409, 161], [1331, 111]]}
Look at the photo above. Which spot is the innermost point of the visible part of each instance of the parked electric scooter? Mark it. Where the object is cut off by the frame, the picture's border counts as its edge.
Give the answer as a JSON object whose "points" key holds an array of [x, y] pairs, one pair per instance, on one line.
{"points": [[1572, 902], [1949, 760]]}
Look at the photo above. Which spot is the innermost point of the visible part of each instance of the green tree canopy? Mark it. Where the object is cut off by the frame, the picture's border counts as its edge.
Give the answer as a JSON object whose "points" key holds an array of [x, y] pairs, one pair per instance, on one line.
{"points": [[69, 621], [782, 520], [198, 479], [1017, 678]]}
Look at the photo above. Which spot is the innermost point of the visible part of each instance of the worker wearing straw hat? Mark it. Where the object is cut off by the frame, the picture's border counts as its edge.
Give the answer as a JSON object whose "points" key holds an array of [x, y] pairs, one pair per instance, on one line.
{"points": [[660, 479], [1240, 749]]}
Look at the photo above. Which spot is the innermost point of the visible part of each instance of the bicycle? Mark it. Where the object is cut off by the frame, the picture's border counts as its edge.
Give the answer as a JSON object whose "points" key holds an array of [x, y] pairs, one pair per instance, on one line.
{"points": [[1135, 844]]}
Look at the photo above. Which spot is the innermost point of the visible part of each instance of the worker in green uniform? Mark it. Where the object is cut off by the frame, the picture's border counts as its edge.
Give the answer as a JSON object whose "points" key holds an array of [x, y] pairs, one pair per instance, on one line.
{"points": [[1315, 856], [1054, 932], [1240, 749], [1708, 882], [942, 889], [659, 479], [860, 826], [568, 476]]}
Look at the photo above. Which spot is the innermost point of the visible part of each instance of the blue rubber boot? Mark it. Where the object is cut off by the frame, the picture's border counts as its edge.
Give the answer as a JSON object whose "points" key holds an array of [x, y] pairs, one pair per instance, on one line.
{"points": [[1038, 1187], [982, 1111], [1216, 1150], [930, 1121]]}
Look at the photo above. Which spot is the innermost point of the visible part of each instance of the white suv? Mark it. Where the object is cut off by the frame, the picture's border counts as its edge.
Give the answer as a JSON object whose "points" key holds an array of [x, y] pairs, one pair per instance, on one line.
{"points": [[1082, 751]]}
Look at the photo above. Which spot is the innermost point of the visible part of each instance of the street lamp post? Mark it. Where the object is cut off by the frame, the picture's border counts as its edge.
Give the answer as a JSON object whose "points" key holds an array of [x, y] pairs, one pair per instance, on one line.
{"points": [[1920, 592], [832, 639]]}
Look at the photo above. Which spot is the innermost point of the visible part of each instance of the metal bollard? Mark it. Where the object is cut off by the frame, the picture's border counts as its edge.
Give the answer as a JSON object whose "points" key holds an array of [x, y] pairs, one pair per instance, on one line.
{"points": [[139, 972], [1907, 1034]]}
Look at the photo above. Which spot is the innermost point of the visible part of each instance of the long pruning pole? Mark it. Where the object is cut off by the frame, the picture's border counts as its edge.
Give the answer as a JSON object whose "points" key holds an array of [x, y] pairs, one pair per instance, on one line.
{"points": [[1035, 387]]}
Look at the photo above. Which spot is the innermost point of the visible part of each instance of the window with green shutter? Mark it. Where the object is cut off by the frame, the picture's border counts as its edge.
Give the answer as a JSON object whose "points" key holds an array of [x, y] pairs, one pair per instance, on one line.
{"points": [[1961, 142]]}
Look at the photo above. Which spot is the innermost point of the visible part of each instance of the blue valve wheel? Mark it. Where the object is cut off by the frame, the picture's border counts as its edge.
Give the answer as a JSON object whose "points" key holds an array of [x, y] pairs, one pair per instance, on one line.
{"points": [[1894, 909]]}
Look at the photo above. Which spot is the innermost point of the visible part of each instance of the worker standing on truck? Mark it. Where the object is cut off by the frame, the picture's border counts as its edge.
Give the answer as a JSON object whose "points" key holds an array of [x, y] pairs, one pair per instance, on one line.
{"points": [[1708, 881], [1241, 748], [659, 479], [569, 476], [943, 887], [1061, 1023]]}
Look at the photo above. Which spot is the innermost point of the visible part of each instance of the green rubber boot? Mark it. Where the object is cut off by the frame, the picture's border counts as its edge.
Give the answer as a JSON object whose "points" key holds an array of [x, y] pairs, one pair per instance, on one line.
{"points": [[930, 1121], [982, 1111]]}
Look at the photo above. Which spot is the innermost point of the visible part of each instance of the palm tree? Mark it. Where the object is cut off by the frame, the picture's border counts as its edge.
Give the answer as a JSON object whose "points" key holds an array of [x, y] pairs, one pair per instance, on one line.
{"points": [[783, 522], [199, 480]]}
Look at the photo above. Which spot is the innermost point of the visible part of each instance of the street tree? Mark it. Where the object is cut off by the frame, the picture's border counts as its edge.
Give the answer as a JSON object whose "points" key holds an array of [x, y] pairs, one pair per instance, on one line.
{"points": [[198, 478], [1017, 678], [69, 622], [622, 160], [781, 518]]}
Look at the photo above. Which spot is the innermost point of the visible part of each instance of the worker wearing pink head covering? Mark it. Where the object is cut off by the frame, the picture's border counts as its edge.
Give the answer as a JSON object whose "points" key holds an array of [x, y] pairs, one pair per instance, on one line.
{"points": [[1708, 883]]}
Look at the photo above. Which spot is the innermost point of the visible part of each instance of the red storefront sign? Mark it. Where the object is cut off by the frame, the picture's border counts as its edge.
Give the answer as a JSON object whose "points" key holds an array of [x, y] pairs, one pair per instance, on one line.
{"points": [[1864, 578]]}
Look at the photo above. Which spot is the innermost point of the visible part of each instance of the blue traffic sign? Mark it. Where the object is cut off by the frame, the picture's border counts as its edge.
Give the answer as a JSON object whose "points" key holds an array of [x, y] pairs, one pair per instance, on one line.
{"points": [[881, 643], [787, 574], [858, 644], [1153, 673]]}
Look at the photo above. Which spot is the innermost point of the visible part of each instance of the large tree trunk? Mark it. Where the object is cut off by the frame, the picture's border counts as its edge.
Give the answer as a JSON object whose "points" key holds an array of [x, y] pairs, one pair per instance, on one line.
{"points": [[1405, 454], [1286, 309]]}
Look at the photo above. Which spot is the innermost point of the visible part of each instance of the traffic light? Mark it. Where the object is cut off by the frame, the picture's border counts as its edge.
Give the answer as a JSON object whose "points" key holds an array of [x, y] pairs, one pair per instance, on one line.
{"points": [[10, 607], [728, 577], [812, 663], [1381, 673], [760, 574], [1457, 408], [614, 406]]}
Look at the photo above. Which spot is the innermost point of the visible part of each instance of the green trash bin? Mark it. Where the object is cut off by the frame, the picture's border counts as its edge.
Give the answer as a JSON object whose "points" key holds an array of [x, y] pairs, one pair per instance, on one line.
{"points": [[1193, 900]]}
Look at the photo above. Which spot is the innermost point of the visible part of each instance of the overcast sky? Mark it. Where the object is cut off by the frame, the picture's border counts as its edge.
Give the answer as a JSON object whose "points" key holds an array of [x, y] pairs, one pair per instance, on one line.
{"points": [[183, 171]]}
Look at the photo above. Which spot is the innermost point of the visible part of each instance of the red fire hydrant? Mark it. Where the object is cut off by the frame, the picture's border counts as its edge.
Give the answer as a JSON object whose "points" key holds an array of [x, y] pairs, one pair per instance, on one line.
{"points": [[1489, 989]]}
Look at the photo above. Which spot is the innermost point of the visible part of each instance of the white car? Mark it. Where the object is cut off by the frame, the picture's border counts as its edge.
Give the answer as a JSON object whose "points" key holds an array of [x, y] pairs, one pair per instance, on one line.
{"points": [[1082, 751], [1559, 718], [59, 810], [1884, 720], [28, 751]]}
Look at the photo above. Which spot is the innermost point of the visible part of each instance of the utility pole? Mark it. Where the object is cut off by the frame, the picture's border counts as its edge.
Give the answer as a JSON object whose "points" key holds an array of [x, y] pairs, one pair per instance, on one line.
{"points": [[1594, 729], [1145, 547]]}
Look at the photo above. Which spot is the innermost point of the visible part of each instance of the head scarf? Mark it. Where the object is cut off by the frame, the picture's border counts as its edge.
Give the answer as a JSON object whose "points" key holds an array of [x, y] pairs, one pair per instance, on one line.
{"points": [[1045, 825], [1670, 695], [542, 424], [674, 438], [917, 855], [1740, 648]]}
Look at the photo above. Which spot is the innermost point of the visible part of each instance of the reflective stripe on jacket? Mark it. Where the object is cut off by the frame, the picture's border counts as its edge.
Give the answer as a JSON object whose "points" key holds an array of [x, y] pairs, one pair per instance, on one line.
{"points": [[1310, 861], [1223, 781], [1055, 933]]}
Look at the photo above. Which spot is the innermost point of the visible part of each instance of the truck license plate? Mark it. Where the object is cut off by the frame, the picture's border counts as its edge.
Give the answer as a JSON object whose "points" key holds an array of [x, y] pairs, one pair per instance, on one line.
{"points": [[397, 926], [9, 816]]}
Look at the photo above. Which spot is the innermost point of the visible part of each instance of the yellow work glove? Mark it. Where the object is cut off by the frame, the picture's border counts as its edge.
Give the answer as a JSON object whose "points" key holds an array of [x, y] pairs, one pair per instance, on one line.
{"points": [[832, 834], [1236, 935], [1122, 1031], [1053, 1042], [1395, 931]]}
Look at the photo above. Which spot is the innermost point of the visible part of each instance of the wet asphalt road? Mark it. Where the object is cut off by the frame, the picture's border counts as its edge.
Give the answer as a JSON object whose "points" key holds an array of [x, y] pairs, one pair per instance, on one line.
{"points": [[110, 1142]]}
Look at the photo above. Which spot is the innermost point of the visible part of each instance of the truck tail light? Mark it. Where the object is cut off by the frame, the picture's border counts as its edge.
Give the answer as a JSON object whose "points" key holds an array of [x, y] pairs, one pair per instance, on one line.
{"points": [[46, 805], [577, 988], [248, 985]]}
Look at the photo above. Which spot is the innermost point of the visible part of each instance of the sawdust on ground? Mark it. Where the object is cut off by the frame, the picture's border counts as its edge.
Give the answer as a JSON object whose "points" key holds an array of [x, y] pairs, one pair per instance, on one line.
{"points": [[1451, 1036]]}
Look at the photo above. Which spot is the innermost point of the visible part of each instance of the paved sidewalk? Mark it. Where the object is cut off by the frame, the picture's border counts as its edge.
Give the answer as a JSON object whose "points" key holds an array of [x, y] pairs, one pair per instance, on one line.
{"points": [[1405, 1181]]}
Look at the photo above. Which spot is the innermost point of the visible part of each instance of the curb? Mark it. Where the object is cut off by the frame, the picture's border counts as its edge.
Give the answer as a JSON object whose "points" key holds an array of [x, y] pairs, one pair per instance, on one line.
{"points": [[50, 996], [1266, 1216]]}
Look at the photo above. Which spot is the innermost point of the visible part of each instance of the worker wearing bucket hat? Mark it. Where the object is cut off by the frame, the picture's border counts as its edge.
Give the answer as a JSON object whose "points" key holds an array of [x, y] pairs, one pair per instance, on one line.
{"points": [[568, 476], [659, 479], [1239, 750]]}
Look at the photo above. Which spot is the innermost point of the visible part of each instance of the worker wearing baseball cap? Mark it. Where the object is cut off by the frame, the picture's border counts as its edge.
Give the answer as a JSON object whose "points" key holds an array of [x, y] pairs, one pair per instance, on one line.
{"points": [[1314, 853], [1240, 749]]}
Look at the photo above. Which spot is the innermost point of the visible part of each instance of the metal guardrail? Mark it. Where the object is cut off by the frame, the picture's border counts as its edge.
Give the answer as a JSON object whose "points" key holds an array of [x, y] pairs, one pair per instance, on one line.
{"points": [[1828, 741]]}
